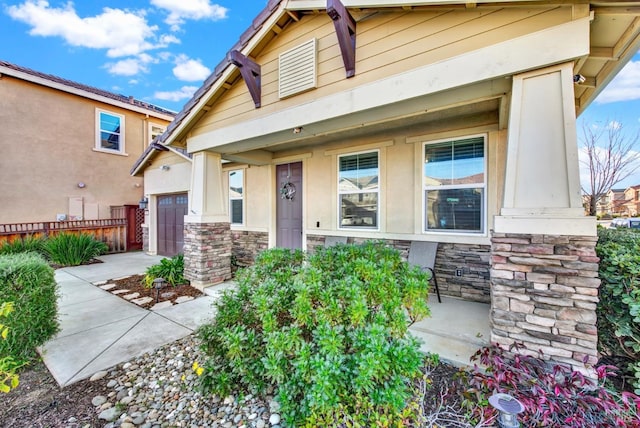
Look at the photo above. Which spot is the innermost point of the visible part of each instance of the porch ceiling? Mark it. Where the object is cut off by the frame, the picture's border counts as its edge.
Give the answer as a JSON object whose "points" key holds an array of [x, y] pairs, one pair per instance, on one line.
{"points": [[615, 38]]}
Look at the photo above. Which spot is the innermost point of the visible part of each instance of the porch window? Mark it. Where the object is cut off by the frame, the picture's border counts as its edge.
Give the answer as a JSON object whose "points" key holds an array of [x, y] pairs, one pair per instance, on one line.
{"points": [[454, 185], [236, 196], [358, 190], [110, 131]]}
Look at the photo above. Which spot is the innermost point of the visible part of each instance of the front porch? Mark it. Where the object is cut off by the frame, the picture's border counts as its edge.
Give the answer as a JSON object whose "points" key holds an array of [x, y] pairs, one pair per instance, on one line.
{"points": [[455, 330]]}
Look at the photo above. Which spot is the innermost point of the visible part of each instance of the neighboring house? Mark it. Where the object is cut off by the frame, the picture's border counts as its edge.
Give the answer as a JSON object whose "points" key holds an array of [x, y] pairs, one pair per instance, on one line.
{"points": [[631, 205], [612, 203], [67, 148], [443, 121]]}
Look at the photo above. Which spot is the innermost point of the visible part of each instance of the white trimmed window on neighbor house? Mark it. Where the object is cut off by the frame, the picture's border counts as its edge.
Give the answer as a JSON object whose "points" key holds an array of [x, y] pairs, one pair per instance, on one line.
{"points": [[358, 190], [109, 132], [236, 197], [155, 130], [454, 185]]}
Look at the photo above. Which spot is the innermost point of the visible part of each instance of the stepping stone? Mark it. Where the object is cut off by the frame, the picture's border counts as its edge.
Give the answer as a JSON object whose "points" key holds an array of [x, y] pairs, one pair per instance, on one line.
{"points": [[142, 300], [161, 305], [183, 299], [131, 296], [168, 294], [107, 286], [120, 291], [122, 277], [99, 282]]}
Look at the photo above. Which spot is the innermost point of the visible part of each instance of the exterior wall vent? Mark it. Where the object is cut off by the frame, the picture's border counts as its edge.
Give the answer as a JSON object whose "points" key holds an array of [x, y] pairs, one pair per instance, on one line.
{"points": [[297, 69]]}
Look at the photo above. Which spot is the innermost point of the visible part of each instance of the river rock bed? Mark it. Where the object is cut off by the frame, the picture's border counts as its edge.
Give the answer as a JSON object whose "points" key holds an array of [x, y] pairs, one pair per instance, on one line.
{"points": [[159, 389]]}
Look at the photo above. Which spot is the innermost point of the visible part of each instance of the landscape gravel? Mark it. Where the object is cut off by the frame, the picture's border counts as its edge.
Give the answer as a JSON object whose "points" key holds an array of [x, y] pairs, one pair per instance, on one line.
{"points": [[159, 389]]}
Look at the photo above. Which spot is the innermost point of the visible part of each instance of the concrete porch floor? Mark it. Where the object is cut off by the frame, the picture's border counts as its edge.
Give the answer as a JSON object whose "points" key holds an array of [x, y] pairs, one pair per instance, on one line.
{"points": [[455, 330]]}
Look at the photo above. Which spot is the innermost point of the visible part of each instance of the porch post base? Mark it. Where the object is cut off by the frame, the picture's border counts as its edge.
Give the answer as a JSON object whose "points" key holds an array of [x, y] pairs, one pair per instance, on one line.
{"points": [[544, 292], [207, 253]]}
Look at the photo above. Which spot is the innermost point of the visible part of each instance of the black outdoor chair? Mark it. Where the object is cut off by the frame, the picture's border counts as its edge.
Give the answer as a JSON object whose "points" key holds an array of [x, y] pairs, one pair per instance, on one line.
{"points": [[423, 255]]}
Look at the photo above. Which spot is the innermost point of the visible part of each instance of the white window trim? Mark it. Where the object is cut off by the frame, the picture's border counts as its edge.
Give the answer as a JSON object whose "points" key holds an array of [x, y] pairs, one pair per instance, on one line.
{"points": [[150, 129], [378, 191], [424, 188], [236, 199], [98, 147]]}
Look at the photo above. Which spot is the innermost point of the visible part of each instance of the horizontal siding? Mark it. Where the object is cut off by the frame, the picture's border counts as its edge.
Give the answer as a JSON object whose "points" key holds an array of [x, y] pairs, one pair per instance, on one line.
{"points": [[387, 44]]}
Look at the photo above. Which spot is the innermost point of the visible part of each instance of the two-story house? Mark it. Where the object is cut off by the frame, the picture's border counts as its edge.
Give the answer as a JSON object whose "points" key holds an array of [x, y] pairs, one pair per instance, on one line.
{"points": [[66, 148]]}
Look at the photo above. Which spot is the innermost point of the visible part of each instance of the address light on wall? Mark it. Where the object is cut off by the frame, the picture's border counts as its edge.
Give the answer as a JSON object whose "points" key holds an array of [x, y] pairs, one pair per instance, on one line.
{"points": [[143, 203]]}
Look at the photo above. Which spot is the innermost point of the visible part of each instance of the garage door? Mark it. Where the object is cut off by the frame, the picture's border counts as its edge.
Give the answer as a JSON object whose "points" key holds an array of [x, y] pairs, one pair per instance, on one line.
{"points": [[171, 212]]}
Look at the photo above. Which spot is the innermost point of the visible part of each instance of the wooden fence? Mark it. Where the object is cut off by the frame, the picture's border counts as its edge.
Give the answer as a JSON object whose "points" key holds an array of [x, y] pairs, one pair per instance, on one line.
{"points": [[112, 232]]}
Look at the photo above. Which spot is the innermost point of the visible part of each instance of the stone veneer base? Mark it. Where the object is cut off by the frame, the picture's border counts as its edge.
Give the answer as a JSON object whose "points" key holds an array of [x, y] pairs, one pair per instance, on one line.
{"points": [[207, 253], [544, 294]]}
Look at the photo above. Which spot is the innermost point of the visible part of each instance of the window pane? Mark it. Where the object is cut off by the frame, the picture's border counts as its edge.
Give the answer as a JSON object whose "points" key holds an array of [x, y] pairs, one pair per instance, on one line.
{"points": [[358, 172], [109, 123], [454, 162], [359, 210], [455, 209], [236, 211], [109, 141], [235, 184]]}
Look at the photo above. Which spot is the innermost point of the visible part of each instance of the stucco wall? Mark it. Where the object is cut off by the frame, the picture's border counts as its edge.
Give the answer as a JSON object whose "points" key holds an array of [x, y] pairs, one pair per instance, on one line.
{"points": [[47, 139]]}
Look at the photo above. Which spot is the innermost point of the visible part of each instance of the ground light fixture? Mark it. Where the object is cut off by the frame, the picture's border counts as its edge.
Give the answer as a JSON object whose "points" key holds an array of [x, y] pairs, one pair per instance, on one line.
{"points": [[158, 283], [508, 408]]}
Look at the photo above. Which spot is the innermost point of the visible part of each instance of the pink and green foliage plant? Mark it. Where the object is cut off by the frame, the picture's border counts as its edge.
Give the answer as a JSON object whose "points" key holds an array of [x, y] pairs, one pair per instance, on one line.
{"points": [[553, 395]]}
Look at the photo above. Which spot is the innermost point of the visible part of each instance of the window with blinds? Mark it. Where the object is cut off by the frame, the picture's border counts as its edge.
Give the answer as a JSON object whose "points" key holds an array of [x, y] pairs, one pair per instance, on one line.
{"points": [[236, 197], [454, 185], [358, 190]]}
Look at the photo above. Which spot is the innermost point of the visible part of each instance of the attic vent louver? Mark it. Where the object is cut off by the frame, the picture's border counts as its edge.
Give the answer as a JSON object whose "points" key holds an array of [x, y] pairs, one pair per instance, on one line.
{"points": [[297, 69]]}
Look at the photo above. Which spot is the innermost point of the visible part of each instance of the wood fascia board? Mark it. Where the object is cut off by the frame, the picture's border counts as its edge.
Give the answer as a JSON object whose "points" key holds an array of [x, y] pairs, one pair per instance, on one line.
{"points": [[179, 153], [250, 72], [345, 27], [302, 5], [466, 69], [81, 93], [189, 121]]}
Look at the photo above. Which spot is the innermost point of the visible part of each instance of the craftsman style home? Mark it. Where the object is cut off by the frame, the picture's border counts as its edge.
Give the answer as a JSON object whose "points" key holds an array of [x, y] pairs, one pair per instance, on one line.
{"points": [[444, 121], [67, 147]]}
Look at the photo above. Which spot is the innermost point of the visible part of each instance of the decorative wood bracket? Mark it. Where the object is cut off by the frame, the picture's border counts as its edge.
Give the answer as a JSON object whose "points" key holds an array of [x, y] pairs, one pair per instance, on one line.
{"points": [[250, 72], [346, 31]]}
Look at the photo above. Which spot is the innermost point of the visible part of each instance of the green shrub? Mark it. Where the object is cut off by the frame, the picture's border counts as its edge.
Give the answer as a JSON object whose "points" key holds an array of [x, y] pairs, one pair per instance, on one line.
{"points": [[68, 249], [8, 367], [329, 333], [27, 244], [172, 270], [28, 281], [619, 307]]}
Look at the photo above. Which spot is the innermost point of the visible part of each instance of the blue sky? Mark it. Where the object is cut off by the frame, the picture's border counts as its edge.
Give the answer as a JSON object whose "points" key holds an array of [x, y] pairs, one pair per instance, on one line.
{"points": [[160, 51]]}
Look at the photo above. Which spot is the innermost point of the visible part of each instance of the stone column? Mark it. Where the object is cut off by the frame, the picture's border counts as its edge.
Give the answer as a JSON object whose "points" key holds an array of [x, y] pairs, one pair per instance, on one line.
{"points": [[544, 269], [207, 233], [544, 294]]}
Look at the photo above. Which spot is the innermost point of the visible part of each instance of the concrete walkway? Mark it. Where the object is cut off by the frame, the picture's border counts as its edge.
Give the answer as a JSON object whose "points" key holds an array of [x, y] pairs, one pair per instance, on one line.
{"points": [[100, 330]]}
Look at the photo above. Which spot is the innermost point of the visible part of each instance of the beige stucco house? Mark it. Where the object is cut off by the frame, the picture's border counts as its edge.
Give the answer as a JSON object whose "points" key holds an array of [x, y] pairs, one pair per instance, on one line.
{"points": [[67, 148], [443, 121]]}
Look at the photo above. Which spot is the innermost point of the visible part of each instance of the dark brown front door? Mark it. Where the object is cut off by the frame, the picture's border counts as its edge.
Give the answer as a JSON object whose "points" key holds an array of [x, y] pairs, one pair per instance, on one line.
{"points": [[171, 212], [289, 205]]}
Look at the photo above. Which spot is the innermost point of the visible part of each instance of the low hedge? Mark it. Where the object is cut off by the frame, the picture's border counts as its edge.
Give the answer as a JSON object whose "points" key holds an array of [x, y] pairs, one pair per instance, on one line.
{"points": [[28, 281]]}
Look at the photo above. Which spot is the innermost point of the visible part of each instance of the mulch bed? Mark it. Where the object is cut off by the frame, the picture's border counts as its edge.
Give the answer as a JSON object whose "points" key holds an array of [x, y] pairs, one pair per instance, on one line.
{"points": [[135, 284]]}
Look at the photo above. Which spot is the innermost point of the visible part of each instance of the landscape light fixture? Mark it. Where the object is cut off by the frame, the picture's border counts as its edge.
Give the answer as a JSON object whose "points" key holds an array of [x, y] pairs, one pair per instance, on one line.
{"points": [[508, 408], [158, 283]]}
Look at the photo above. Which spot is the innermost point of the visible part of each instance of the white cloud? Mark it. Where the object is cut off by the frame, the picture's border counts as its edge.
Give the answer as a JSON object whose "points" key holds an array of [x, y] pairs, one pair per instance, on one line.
{"points": [[614, 124], [127, 67], [121, 32], [181, 94], [179, 11], [131, 66], [190, 70], [624, 87]]}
